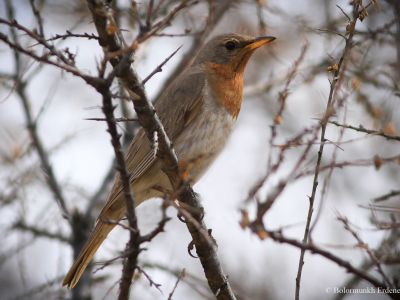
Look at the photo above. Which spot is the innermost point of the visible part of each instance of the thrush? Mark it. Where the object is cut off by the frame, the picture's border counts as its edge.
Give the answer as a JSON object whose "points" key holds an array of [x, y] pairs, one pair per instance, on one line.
{"points": [[198, 111]]}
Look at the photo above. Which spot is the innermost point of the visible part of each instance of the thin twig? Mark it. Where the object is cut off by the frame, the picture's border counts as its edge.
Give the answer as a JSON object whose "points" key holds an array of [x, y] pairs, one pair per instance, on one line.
{"points": [[122, 119], [180, 277], [327, 180], [159, 67], [39, 232], [375, 161], [151, 281], [132, 246], [368, 131], [387, 196], [30, 123], [38, 17], [337, 78], [70, 34], [278, 237], [365, 246]]}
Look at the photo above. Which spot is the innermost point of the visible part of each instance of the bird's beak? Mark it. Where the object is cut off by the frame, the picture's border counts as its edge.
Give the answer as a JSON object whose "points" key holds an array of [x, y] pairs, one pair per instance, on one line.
{"points": [[259, 41]]}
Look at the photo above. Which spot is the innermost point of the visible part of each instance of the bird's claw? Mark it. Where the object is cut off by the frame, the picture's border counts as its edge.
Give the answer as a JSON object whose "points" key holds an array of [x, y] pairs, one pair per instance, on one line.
{"points": [[190, 248]]}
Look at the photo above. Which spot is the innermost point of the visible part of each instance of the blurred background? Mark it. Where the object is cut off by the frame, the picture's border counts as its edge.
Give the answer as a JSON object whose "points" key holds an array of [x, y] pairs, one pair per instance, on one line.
{"points": [[36, 250]]}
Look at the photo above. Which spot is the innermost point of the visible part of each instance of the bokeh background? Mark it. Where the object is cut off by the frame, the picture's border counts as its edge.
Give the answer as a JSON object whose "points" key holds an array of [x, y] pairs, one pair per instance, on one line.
{"points": [[31, 266]]}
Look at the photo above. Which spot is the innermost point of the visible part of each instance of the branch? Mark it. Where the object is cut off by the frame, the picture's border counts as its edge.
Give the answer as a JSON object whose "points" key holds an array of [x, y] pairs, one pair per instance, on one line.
{"points": [[387, 196], [20, 88], [132, 247], [69, 34], [368, 131], [160, 226], [122, 119], [376, 161], [159, 67], [374, 259], [36, 291], [38, 17], [21, 225], [338, 73], [263, 207], [278, 237], [192, 280], [52, 50], [180, 277], [381, 252], [161, 24], [45, 59]]}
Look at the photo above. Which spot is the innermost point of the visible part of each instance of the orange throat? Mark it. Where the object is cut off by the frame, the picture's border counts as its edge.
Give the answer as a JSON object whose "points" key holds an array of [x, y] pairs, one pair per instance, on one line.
{"points": [[227, 86]]}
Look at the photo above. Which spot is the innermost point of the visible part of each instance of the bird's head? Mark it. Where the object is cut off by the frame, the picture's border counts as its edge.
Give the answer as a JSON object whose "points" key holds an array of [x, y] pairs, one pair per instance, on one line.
{"points": [[231, 51]]}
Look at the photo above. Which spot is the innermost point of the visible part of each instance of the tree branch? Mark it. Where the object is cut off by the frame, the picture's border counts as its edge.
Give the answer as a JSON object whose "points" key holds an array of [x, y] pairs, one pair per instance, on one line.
{"points": [[21, 225], [20, 88], [368, 131], [132, 247], [280, 238], [338, 73]]}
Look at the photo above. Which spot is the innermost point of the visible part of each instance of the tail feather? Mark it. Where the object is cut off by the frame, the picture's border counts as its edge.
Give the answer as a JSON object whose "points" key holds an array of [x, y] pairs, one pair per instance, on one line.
{"points": [[96, 238]]}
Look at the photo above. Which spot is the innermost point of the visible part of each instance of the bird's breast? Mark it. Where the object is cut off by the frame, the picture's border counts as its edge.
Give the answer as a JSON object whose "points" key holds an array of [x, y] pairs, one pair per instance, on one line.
{"points": [[225, 87], [200, 143]]}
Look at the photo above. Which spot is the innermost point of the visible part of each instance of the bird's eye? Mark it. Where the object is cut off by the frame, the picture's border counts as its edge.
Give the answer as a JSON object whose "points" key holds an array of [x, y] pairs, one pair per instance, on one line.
{"points": [[230, 45]]}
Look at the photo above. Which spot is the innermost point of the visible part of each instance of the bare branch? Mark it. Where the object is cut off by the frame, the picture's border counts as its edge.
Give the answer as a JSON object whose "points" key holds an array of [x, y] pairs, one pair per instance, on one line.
{"points": [[365, 246], [122, 119], [375, 161], [368, 131], [387, 196], [21, 225], [278, 237], [30, 122], [338, 73], [38, 17], [181, 275], [69, 34], [133, 244], [159, 67]]}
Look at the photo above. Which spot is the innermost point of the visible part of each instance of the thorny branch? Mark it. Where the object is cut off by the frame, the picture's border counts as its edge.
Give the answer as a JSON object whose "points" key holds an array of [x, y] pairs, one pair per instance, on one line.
{"points": [[363, 245], [387, 196], [381, 253], [160, 66], [375, 161], [338, 73], [40, 232], [31, 123], [280, 238], [180, 277], [368, 131], [263, 207], [133, 244]]}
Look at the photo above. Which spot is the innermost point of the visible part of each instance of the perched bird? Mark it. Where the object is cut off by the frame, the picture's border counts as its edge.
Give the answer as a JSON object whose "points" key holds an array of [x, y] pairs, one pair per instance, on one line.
{"points": [[198, 111]]}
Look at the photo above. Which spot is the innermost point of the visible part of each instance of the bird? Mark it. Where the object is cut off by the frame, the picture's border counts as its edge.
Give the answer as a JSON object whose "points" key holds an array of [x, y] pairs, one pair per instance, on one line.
{"points": [[198, 111]]}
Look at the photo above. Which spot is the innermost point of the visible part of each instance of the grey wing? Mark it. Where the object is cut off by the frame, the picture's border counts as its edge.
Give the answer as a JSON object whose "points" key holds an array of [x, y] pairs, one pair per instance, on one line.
{"points": [[181, 103], [176, 108]]}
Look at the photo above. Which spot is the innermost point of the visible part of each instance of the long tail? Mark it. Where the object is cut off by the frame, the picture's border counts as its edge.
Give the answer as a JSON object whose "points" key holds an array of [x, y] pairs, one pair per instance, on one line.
{"points": [[96, 238]]}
